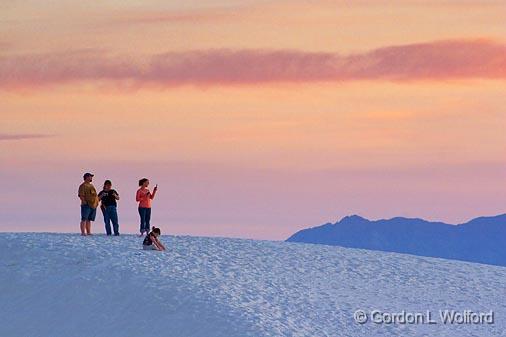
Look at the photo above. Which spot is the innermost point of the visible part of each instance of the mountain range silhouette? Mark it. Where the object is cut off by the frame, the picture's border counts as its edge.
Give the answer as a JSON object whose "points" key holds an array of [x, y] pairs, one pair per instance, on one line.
{"points": [[481, 240]]}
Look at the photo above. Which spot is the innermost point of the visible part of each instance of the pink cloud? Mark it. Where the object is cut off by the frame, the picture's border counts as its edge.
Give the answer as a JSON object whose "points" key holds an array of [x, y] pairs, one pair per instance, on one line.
{"points": [[439, 60]]}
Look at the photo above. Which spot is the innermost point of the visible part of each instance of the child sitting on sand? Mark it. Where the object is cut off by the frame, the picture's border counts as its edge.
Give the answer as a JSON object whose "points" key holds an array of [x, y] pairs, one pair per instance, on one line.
{"points": [[151, 241]]}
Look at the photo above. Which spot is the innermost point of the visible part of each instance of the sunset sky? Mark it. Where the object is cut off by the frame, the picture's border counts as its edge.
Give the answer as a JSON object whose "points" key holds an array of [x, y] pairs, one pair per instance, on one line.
{"points": [[256, 118]]}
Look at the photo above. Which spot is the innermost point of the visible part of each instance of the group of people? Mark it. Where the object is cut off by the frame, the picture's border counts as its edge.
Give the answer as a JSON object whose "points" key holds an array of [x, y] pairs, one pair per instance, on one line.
{"points": [[107, 200]]}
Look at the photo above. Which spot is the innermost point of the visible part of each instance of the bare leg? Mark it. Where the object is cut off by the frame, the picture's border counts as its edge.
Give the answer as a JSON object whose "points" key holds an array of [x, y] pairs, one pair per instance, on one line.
{"points": [[83, 227], [88, 227]]}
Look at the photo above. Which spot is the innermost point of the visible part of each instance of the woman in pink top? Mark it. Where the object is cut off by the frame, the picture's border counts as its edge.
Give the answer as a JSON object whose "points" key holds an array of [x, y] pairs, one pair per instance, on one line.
{"points": [[144, 197]]}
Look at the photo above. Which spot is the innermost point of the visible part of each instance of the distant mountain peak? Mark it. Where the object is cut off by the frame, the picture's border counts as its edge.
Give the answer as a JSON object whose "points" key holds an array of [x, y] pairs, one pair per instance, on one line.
{"points": [[353, 218]]}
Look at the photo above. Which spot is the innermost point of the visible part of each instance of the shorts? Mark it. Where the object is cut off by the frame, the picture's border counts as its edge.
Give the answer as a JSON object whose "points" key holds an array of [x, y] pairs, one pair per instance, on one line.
{"points": [[149, 247], [88, 213]]}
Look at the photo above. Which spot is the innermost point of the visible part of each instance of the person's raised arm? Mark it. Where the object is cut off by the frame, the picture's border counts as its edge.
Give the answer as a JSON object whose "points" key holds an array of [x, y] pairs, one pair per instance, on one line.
{"points": [[116, 195], [152, 195]]}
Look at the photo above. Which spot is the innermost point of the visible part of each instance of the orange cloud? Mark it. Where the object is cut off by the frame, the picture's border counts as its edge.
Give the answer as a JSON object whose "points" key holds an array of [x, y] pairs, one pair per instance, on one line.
{"points": [[439, 60]]}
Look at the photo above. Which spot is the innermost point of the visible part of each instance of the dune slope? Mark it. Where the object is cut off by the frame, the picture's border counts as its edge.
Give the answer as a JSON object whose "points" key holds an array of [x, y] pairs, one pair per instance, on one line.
{"points": [[65, 285]]}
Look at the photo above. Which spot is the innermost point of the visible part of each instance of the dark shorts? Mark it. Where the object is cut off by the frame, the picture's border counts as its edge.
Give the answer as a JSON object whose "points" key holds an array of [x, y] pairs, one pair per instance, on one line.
{"points": [[88, 213]]}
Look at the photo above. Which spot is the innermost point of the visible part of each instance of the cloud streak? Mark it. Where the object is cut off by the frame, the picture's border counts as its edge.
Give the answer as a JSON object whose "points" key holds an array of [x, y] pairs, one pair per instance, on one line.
{"points": [[5, 137], [154, 17], [434, 61]]}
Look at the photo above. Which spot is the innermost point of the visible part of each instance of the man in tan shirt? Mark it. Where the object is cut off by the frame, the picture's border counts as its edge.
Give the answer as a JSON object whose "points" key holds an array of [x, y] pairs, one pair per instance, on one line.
{"points": [[89, 202]]}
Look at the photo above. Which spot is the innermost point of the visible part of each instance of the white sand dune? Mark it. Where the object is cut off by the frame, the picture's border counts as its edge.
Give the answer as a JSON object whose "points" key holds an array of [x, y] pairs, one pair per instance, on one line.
{"points": [[65, 285]]}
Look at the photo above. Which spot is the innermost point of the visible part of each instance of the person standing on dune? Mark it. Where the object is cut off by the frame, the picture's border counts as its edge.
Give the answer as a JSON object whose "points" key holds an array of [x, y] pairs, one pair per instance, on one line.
{"points": [[109, 202], [144, 197], [89, 203]]}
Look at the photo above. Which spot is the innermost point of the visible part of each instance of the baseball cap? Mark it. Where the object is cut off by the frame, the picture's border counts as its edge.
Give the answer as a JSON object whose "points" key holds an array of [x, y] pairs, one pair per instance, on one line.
{"points": [[87, 174]]}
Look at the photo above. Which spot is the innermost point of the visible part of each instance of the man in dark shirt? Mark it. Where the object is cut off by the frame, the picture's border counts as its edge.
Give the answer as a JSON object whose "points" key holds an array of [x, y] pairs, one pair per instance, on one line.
{"points": [[108, 198]]}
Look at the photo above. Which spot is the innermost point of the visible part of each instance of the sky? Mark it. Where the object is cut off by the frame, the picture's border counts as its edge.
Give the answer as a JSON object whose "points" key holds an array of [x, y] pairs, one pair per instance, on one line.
{"points": [[255, 118]]}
